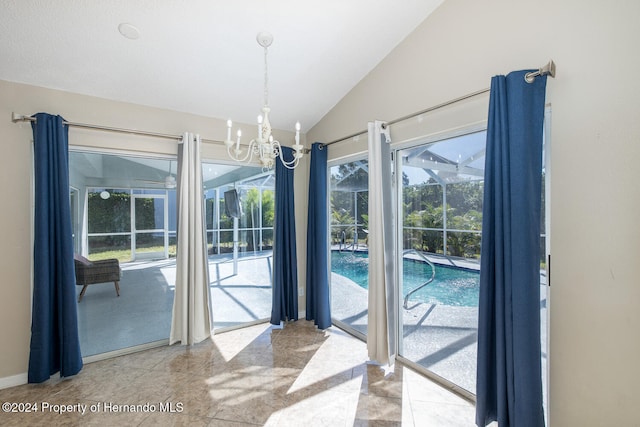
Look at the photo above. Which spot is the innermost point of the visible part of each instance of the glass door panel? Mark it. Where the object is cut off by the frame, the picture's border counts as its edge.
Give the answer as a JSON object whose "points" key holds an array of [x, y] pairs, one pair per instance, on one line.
{"points": [[441, 216], [348, 242], [124, 209], [441, 188], [239, 242]]}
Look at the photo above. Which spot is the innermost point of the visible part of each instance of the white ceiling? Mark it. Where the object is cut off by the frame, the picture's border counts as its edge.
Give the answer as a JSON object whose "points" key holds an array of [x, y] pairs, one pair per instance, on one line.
{"points": [[201, 56]]}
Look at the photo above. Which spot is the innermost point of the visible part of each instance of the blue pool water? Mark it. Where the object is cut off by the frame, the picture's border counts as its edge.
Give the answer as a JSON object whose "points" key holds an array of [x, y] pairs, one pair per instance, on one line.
{"points": [[451, 286]]}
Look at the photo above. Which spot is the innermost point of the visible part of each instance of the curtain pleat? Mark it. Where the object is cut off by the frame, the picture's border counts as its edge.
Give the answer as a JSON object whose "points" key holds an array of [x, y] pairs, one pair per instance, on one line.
{"points": [[285, 269], [55, 345], [191, 315], [318, 305], [509, 383], [382, 315]]}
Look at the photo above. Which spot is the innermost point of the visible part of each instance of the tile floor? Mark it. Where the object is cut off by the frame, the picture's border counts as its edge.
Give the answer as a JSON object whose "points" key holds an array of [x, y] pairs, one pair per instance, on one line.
{"points": [[260, 375]]}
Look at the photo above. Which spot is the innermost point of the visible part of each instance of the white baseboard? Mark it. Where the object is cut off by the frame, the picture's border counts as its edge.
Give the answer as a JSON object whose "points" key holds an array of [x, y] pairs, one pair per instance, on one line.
{"points": [[14, 380]]}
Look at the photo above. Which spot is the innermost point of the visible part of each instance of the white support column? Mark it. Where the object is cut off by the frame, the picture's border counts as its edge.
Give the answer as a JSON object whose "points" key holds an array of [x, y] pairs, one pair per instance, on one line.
{"points": [[235, 246], [444, 218]]}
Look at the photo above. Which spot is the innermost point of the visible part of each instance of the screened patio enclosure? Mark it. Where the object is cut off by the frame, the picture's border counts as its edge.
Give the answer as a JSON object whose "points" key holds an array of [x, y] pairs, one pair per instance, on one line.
{"points": [[127, 204], [447, 173], [124, 207], [442, 190], [439, 189]]}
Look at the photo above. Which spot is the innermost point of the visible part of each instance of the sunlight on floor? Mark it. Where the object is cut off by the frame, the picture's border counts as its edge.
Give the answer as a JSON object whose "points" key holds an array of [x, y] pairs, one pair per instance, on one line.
{"points": [[259, 375], [230, 345]]}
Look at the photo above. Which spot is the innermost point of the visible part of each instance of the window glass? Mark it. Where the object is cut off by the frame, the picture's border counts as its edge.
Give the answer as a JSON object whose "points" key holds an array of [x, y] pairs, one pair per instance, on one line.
{"points": [[240, 248], [441, 195], [126, 210], [349, 244]]}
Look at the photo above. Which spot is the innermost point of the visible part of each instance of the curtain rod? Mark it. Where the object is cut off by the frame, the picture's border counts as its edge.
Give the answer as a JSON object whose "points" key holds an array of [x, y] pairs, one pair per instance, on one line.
{"points": [[15, 118], [412, 115], [549, 69], [23, 118]]}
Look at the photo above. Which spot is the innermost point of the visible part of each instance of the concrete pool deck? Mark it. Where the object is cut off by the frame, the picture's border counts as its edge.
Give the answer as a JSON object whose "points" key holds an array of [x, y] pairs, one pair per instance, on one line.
{"points": [[441, 338]]}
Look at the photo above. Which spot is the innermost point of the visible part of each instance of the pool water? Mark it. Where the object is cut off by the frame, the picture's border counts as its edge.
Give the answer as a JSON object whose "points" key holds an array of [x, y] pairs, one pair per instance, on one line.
{"points": [[451, 286]]}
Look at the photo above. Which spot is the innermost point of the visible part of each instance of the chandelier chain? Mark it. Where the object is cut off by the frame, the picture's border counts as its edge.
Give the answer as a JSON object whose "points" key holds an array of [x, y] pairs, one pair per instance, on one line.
{"points": [[266, 79]]}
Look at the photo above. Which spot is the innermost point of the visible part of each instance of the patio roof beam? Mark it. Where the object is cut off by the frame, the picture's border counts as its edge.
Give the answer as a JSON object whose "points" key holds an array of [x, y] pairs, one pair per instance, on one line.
{"points": [[446, 167], [472, 158], [359, 165], [435, 177]]}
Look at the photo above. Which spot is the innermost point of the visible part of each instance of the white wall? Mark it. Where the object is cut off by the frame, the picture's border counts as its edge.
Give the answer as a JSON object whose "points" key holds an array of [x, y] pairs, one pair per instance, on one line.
{"points": [[15, 173], [595, 140]]}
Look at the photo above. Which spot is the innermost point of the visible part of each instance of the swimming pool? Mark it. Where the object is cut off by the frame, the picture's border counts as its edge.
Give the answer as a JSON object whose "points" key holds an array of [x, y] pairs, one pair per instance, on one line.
{"points": [[451, 286]]}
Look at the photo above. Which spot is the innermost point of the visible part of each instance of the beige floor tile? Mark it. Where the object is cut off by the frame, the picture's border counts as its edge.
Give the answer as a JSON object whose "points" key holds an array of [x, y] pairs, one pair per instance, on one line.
{"points": [[432, 414], [260, 375], [379, 408], [321, 408]]}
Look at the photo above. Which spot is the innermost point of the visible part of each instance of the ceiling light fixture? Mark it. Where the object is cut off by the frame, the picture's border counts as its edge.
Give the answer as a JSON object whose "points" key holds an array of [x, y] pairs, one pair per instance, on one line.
{"points": [[129, 31], [264, 146]]}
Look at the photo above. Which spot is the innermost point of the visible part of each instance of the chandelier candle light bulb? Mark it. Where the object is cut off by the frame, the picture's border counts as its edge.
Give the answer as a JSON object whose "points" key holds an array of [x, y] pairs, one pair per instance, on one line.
{"points": [[297, 147]]}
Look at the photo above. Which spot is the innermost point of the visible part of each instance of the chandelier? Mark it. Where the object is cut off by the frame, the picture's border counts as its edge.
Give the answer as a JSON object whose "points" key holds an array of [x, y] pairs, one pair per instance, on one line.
{"points": [[264, 146]]}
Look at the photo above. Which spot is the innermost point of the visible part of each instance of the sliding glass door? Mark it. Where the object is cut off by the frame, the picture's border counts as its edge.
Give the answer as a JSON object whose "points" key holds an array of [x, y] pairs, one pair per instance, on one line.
{"points": [[440, 194], [438, 186], [441, 189], [126, 212], [239, 214], [349, 245]]}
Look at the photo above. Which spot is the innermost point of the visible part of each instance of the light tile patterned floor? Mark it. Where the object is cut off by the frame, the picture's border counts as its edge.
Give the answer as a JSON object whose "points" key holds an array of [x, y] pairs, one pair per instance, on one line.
{"points": [[296, 376]]}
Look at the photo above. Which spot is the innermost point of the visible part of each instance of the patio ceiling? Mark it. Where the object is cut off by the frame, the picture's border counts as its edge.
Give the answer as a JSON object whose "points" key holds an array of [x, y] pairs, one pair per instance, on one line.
{"points": [[119, 171], [449, 161]]}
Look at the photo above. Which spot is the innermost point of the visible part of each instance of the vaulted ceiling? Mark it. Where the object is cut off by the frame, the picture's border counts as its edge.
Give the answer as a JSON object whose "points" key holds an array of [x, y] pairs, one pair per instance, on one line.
{"points": [[201, 56]]}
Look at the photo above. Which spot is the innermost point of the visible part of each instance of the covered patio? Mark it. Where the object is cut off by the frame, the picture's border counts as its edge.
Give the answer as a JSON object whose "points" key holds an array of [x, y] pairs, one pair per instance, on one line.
{"points": [[141, 315], [124, 207]]}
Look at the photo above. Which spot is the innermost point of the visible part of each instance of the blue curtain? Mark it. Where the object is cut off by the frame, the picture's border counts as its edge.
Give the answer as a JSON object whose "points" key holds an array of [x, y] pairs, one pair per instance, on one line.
{"points": [[509, 384], [55, 346], [285, 267], [318, 305]]}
